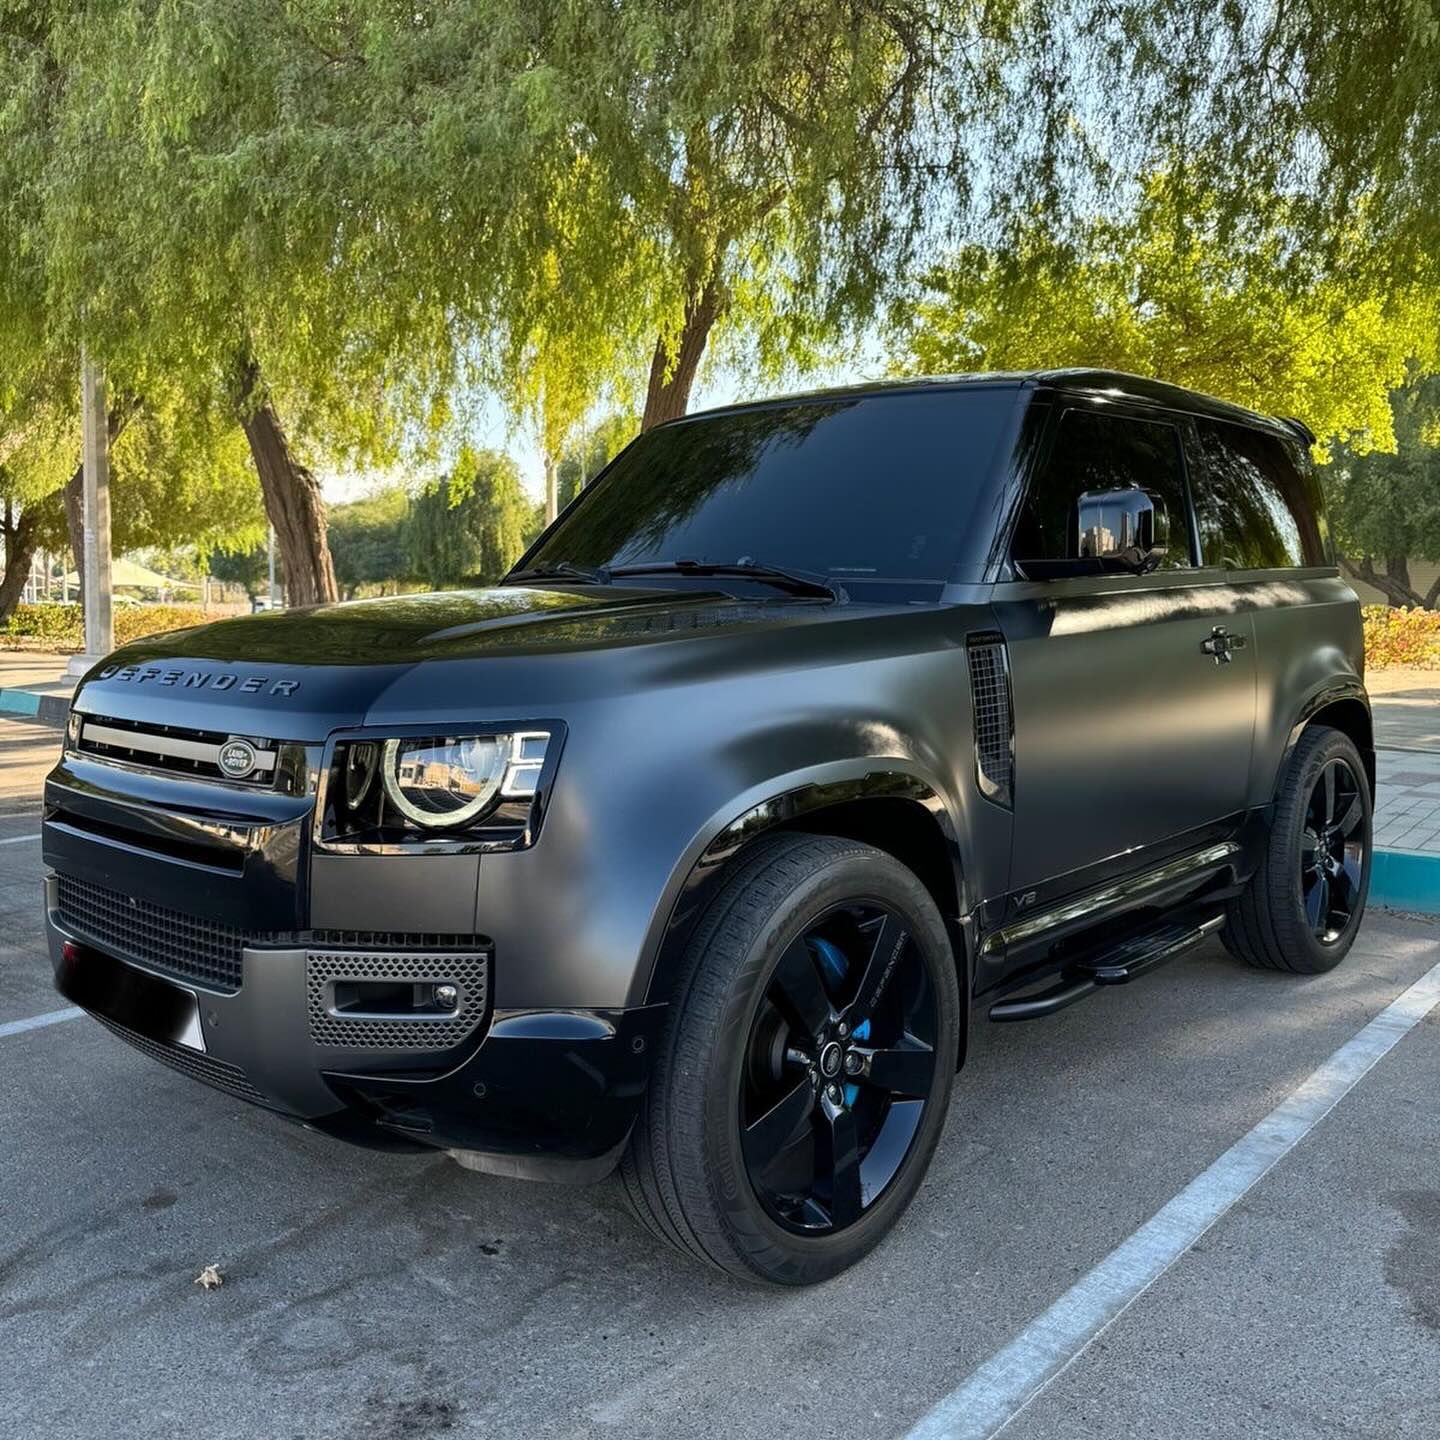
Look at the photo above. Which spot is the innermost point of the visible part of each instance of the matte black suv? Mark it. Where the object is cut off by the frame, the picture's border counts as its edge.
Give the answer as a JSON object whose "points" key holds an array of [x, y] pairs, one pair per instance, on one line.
{"points": [[811, 731]]}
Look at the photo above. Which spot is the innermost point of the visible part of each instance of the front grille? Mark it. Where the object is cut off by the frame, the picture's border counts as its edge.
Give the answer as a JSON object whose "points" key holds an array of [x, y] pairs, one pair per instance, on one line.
{"points": [[176, 750], [469, 972], [994, 727], [187, 946], [223, 1076]]}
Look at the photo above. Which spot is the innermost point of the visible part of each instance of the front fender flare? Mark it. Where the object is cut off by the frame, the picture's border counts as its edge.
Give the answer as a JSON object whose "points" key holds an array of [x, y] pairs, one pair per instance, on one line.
{"points": [[766, 806]]}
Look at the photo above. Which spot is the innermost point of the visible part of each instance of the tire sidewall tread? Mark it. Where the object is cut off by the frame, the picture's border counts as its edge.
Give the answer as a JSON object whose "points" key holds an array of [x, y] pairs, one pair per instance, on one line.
{"points": [[683, 1166], [1265, 924]]}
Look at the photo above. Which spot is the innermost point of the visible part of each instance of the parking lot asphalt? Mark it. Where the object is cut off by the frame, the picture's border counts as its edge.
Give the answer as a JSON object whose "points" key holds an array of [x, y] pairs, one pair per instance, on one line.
{"points": [[370, 1295]]}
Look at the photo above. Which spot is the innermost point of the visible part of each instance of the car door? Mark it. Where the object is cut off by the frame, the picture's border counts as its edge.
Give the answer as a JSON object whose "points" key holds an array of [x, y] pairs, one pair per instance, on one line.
{"points": [[1133, 717]]}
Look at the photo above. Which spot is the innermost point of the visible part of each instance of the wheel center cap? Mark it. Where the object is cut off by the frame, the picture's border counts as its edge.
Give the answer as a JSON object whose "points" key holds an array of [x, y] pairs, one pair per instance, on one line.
{"points": [[830, 1061]]}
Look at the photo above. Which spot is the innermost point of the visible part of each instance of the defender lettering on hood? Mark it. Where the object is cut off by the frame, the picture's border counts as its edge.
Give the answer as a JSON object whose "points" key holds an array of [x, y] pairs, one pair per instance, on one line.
{"points": [[200, 679]]}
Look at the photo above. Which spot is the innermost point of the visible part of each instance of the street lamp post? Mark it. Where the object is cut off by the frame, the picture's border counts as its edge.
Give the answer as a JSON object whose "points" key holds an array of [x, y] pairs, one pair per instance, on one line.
{"points": [[95, 580]]}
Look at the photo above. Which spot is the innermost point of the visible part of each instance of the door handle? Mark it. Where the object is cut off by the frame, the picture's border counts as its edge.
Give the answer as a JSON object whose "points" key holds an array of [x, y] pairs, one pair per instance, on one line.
{"points": [[1219, 644]]}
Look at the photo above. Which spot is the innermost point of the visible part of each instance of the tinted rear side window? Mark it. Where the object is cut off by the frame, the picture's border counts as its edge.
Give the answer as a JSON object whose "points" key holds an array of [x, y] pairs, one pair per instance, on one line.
{"points": [[1101, 452], [877, 491], [1257, 504]]}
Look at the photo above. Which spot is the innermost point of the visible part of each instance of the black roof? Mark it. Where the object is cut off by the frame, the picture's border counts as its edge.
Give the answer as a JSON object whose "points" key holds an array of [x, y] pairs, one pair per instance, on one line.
{"points": [[1077, 381]]}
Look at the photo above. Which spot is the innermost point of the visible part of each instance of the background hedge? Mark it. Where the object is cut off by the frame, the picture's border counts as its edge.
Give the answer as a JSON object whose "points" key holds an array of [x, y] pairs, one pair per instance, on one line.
{"points": [[1402, 637], [61, 628]]}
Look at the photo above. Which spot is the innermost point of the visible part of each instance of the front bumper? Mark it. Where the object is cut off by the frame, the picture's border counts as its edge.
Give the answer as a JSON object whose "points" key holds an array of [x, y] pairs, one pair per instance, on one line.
{"points": [[530, 1092]]}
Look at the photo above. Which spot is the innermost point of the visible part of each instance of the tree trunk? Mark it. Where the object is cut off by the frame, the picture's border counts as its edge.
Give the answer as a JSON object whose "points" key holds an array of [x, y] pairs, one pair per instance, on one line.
{"points": [[672, 371], [1396, 589], [22, 539], [292, 494], [1397, 569]]}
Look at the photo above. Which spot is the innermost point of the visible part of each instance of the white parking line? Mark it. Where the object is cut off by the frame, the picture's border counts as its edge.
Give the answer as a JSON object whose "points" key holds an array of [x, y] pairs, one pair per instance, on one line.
{"points": [[1006, 1383], [36, 1022], [17, 839]]}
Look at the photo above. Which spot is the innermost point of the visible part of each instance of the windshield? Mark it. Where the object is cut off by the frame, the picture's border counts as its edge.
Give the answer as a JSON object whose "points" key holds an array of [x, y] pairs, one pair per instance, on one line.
{"points": [[876, 491]]}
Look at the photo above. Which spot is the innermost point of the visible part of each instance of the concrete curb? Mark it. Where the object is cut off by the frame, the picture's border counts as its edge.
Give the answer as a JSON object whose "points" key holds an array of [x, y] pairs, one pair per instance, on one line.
{"points": [[1406, 880], [27, 705]]}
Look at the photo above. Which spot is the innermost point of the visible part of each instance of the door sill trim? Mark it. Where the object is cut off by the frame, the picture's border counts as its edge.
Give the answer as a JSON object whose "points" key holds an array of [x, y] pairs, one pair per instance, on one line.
{"points": [[1120, 895]]}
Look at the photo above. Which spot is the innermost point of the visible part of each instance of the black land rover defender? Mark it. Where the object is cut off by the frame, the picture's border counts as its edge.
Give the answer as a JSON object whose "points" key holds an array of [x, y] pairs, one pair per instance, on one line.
{"points": [[813, 732]]}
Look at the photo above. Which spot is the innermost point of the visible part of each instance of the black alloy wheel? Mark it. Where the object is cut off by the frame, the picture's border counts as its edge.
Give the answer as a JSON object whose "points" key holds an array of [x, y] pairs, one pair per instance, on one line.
{"points": [[1302, 906], [1332, 850], [839, 1066], [804, 1075]]}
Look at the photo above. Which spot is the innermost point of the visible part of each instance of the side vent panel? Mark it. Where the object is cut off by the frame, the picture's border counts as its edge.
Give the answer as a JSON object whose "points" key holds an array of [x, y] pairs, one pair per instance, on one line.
{"points": [[994, 724]]}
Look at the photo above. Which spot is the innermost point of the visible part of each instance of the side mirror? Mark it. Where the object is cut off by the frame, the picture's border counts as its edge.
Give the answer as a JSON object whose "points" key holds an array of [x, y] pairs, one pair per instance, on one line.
{"points": [[1126, 527]]}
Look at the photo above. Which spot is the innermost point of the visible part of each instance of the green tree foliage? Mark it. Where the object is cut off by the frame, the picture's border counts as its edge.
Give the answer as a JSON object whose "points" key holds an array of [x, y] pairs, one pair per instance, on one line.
{"points": [[1334, 105], [1178, 290], [764, 168], [588, 455], [248, 567], [563, 195], [1172, 290], [1387, 506], [179, 475], [470, 528], [368, 542], [171, 225], [179, 467]]}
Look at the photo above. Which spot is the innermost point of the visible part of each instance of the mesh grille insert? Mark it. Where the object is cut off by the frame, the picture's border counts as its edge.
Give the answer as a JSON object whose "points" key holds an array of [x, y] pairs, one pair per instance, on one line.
{"points": [[469, 972], [994, 727], [169, 940], [206, 952], [229, 1078]]}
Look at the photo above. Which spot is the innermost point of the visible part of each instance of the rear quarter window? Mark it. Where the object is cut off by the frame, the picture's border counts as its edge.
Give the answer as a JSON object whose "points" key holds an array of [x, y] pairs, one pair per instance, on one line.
{"points": [[1257, 502]]}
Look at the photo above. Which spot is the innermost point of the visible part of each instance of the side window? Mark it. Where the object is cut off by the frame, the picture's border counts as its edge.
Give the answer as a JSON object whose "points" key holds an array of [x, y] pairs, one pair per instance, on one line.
{"points": [[1100, 452], [1258, 505]]}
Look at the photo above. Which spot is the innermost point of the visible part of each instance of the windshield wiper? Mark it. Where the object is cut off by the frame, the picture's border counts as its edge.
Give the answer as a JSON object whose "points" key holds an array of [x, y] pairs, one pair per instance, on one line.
{"points": [[797, 582], [560, 570]]}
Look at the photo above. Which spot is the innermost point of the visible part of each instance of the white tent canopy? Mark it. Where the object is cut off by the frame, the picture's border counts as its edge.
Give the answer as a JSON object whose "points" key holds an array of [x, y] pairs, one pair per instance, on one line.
{"points": [[129, 575]]}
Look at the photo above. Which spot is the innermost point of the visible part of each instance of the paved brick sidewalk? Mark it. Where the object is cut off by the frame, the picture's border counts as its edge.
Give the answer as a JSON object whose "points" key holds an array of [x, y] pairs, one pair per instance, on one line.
{"points": [[1406, 706], [1407, 802]]}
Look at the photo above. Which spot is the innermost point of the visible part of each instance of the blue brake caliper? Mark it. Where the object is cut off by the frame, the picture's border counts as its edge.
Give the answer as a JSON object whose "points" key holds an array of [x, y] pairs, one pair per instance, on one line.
{"points": [[833, 966]]}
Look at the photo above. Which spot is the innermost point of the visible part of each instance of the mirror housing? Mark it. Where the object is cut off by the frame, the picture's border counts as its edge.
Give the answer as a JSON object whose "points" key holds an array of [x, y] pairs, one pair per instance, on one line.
{"points": [[1125, 529]]}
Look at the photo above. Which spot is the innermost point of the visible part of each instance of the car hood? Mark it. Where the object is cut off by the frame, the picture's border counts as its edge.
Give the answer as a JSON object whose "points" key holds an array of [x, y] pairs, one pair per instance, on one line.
{"points": [[302, 672]]}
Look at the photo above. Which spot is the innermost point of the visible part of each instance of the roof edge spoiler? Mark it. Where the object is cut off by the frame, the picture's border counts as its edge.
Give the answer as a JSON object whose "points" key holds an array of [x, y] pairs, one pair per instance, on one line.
{"points": [[1300, 428]]}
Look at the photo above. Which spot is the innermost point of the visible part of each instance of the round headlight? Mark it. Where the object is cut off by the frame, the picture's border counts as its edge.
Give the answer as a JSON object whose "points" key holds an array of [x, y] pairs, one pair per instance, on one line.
{"points": [[439, 781]]}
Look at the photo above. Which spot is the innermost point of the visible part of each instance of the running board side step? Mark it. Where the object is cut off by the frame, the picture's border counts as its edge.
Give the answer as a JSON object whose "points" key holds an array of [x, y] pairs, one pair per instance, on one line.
{"points": [[1116, 966]]}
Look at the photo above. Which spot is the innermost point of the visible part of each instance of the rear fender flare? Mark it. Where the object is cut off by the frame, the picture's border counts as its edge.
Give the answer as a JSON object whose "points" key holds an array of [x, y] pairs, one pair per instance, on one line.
{"points": [[1318, 700]]}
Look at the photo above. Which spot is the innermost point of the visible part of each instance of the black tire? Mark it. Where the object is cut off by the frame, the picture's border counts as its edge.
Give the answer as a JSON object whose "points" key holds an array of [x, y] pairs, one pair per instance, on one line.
{"points": [[685, 1172], [1269, 924]]}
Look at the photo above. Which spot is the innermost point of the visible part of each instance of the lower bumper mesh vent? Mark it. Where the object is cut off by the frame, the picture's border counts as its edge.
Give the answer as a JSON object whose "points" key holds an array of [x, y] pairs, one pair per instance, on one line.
{"points": [[229, 1078], [169, 940], [359, 1029]]}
